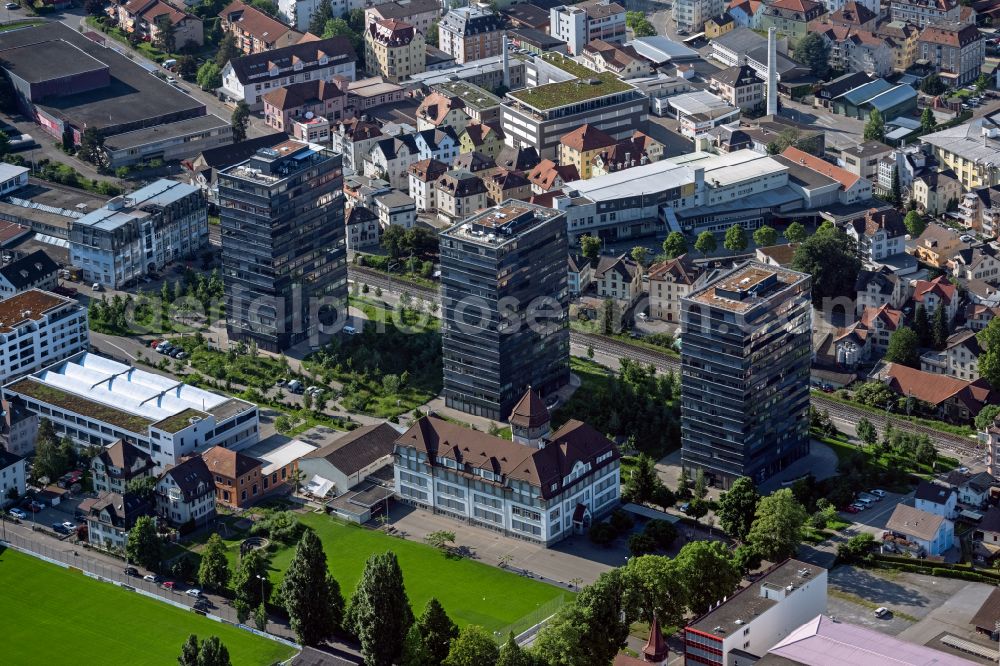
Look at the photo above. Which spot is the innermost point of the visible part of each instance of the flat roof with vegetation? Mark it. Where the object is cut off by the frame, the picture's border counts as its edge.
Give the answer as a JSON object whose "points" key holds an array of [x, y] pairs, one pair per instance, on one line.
{"points": [[567, 64], [180, 420], [79, 405], [554, 95]]}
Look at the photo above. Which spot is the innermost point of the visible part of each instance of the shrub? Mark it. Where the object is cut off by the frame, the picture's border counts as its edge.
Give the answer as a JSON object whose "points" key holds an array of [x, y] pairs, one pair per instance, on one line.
{"points": [[662, 532], [641, 544], [278, 526], [602, 533], [621, 521]]}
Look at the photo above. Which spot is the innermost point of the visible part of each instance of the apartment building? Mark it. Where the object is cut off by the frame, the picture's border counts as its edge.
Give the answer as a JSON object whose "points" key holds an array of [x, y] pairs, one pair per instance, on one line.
{"points": [[470, 33], [790, 18], [422, 177], [284, 255], [39, 328], [299, 13], [12, 476], [958, 359], [35, 270], [739, 86], [540, 488], [863, 159], [111, 517], [745, 385], [582, 23], [144, 18], [394, 49], [304, 102], [237, 477], [139, 233], [116, 465], [691, 15], [669, 283], [363, 229], [459, 193], [185, 494], [421, 14], [956, 51], [96, 401], [623, 62], [255, 31], [970, 150], [924, 12], [352, 139], [743, 626], [249, 78], [513, 254], [581, 146], [878, 234], [876, 288], [868, 336]]}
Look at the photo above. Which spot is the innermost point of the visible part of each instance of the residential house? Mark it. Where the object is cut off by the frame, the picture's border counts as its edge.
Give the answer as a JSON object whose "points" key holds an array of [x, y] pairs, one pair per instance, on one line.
{"points": [[868, 337], [476, 162], [581, 146], [936, 498], [38, 329], [12, 476], [959, 358], [956, 51], [779, 256], [622, 61], [306, 100], [423, 177], [740, 86], [691, 15], [236, 475], [979, 263], [503, 184], [979, 210], [363, 230], [352, 457], [353, 139], [389, 159], [669, 282], [936, 246], [440, 110], [619, 278], [936, 293], [18, 428], [972, 489], [790, 17], [421, 14], [745, 13], [717, 26], [580, 274], [480, 104], [978, 316], [854, 15], [951, 399], [993, 449], [394, 49], [547, 176], [486, 139], [440, 144], [250, 77], [635, 151], [522, 159], [144, 18], [395, 209], [924, 12], [875, 288], [255, 31], [857, 50], [470, 33], [371, 93], [931, 533], [986, 548], [35, 270], [906, 163], [185, 493], [582, 23], [110, 518], [459, 193], [362, 190], [902, 38], [878, 234], [116, 465], [863, 159]]}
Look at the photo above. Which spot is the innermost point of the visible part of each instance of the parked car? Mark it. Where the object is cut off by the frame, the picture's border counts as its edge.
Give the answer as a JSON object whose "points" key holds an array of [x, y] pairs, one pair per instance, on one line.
{"points": [[33, 506], [12, 6], [866, 497], [58, 527], [181, 355], [69, 525], [684, 507], [295, 386], [858, 506], [193, 592], [878, 493], [20, 514], [201, 604], [169, 585], [350, 330], [881, 612], [850, 508], [130, 571], [154, 344], [641, 316], [151, 578], [175, 352]]}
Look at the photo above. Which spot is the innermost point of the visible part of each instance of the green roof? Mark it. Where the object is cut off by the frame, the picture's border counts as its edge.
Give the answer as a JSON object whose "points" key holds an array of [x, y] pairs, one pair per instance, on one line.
{"points": [[554, 95], [567, 65], [471, 95], [180, 420], [80, 405]]}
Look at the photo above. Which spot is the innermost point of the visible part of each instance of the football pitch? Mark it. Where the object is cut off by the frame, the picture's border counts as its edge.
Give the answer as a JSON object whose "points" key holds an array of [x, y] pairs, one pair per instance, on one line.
{"points": [[58, 616]]}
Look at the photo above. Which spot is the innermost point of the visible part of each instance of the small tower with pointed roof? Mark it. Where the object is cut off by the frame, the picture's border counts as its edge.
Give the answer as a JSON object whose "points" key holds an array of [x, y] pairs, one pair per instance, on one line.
{"points": [[655, 651], [530, 423]]}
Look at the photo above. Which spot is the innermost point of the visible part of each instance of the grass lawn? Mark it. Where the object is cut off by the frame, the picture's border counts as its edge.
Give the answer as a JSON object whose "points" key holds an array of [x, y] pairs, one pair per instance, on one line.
{"points": [[58, 616], [471, 592]]}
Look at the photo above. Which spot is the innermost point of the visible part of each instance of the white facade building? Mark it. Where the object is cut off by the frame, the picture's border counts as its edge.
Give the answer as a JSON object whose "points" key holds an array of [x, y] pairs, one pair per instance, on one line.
{"points": [[139, 233], [538, 494], [939, 499], [12, 476], [186, 493], [97, 401], [12, 178], [298, 13], [39, 328], [754, 619], [692, 14]]}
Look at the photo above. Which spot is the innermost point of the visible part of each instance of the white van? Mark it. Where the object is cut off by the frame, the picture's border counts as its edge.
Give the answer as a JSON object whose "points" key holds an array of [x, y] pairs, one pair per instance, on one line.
{"points": [[170, 63]]}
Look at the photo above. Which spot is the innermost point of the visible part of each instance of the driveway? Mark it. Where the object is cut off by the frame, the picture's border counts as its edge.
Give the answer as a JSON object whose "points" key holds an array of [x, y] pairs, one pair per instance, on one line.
{"points": [[912, 596]]}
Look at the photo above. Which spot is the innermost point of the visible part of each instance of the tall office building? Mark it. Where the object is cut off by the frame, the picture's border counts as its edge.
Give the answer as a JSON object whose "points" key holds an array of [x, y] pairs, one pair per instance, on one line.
{"points": [[745, 373], [284, 258], [505, 303]]}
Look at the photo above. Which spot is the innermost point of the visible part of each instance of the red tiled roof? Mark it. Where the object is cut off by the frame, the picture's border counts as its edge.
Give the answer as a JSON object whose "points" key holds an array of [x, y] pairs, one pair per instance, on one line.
{"points": [[530, 411], [935, 389], [939, 286], [587, 137], [254, 22], [842, 176]]}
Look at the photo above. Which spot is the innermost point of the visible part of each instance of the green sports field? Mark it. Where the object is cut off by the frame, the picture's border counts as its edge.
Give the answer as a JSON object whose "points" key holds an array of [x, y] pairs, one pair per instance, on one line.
{"points": [[57, 616]]}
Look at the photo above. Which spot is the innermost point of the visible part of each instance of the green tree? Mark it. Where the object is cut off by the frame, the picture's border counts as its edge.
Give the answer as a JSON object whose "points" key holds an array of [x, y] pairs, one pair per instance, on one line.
{"points": [[866, 432], [904, 348], [926, 453], [379, 613], [777, 528], [251, 582], [92, 147], [241, 121], [639, 24], [922, 326], [895, 190], [705, 243], [706, 573], [609, 320], [655, 587], [337, 27], [440, 539], [213, 653], [436, 631], [166, 34], [94, 7], [814, 52], [213, 572], [914, 223], [511, 654], [189, 652], [590, 246], [765, 236], [982, 83], [228, 49], [310, 594], [736, 239], [49, 460], [989, 358], [939, 329], [933, 85], [796, 233], [874, 127], [856, 549], [187, 67], [986, 416], [674, 245], [209, 76], [433, 35], [737, 508], [322, 14], [473, 647], [143, 544], [832, 261], [927, 120], [773, 148], [141, 486], [640, 255], [642, 483]]}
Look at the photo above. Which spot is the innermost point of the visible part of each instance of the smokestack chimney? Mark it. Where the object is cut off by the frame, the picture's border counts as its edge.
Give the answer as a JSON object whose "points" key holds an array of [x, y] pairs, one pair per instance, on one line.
{"points": [[506, 63], [772, 72]]}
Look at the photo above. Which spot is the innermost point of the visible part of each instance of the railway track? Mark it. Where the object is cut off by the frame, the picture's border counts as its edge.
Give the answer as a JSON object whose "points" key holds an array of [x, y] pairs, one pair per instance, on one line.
{"points": [[666, 363]]}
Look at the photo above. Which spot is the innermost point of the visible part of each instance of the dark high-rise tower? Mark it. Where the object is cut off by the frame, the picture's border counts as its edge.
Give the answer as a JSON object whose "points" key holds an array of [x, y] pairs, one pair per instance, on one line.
{"points": [[504, 301], [284, 258]]}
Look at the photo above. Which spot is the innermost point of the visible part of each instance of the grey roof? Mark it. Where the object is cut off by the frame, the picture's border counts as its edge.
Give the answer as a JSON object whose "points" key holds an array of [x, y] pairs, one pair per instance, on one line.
{"points": [[315, 657], [933, 492], [234, 153], [892, 97], [804, 177], [402, 10], [884, 278], [336, 49], [188, 474], [7, 458], [740, 40], [911, 521], [968, 140], [990, 521], [359, 448], [529, 14], [542, 40], [159, 193], [737, 75], [866, 91], [148, 135], [394, 199], [842, 84], [787, 67], [658, 49], [61, 59], [868, 149], [29, 269]]}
